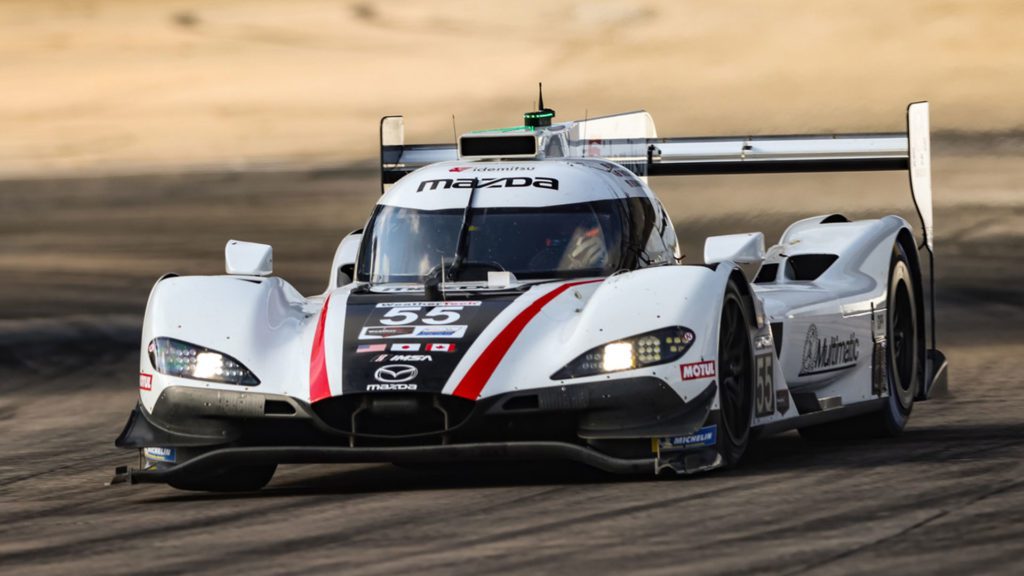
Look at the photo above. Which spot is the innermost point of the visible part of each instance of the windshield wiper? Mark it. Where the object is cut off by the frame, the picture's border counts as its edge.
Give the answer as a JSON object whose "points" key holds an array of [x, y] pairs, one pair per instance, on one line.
{"points": [[435, 279], [463, 240]]}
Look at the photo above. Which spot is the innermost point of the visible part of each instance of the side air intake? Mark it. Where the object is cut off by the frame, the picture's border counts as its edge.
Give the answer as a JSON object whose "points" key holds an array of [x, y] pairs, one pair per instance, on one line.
{"points": [[807, 267]]}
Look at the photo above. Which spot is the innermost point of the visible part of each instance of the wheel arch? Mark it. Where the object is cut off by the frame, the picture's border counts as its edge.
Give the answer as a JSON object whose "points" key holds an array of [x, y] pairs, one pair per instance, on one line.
{"points": [[905, 239], [743, 285]]}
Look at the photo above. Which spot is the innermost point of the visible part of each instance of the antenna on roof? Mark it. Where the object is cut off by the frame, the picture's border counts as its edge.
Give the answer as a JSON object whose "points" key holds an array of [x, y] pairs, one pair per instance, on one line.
{"points": [[542, 116], [586, 118]]}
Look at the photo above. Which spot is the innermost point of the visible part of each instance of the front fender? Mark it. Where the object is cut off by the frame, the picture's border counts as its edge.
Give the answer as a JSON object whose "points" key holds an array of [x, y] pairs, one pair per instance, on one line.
{"points": [[263, 323], [621, 306]]}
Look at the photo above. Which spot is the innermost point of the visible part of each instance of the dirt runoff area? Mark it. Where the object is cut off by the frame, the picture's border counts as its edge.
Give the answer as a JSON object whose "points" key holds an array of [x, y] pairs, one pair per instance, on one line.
{"points": [[947, 495]]}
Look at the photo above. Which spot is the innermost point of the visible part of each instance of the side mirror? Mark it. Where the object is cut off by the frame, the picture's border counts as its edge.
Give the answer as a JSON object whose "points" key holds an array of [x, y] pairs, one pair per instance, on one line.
{"points": [[248, 258], [739, 248], [343, 268]]}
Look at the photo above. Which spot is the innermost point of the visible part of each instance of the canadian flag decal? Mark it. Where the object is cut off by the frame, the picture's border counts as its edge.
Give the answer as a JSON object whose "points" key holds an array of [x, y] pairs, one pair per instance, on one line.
{"points": [[440, 347], [698, 370]]}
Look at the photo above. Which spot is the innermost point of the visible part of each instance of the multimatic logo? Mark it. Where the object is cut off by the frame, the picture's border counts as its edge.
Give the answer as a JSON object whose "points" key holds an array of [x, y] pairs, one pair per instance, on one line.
{"points": [[825, 354], [509, 182]]}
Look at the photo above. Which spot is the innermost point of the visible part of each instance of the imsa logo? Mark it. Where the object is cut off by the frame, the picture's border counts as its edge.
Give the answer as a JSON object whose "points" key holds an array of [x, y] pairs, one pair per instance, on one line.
{"points": [[508, 182]]}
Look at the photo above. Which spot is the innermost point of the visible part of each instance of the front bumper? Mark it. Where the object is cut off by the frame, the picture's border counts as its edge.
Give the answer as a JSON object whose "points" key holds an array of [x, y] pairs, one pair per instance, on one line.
{"points": [[475, 452], [607, 425]]}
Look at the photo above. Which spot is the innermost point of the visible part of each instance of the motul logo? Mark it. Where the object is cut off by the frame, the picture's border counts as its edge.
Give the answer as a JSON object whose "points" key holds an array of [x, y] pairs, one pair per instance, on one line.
{"points": [[698, 370], [510, 182]]}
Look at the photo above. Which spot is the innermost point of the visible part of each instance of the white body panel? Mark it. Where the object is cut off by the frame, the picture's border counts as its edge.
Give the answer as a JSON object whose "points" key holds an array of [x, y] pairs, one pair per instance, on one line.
{"points": [[550, 183], [738, 248], [271, 329], [248, 258]]}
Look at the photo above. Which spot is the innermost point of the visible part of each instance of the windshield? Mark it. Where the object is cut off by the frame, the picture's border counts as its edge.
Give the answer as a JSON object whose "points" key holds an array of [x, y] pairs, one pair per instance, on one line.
{"points": [[573, 240]]}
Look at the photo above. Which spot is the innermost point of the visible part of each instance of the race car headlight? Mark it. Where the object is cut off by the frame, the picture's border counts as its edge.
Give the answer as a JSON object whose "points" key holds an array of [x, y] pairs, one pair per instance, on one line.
{"points": [[648, 349], [177, 358]]}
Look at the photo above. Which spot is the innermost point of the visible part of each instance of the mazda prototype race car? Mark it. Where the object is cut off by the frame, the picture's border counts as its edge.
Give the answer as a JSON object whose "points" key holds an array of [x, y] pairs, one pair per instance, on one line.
{"points": [[520, 295]]}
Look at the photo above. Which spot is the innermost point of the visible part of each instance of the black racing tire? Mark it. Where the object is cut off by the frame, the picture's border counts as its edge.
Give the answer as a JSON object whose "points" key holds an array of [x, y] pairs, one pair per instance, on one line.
{"points": [[233, 479], [735, 377], [904, 352], [904, 355]]}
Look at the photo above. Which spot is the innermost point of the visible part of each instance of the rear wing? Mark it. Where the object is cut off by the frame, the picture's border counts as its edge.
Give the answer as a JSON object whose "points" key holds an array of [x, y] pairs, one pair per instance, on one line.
{"points": [[910, 150], [630, 140]]}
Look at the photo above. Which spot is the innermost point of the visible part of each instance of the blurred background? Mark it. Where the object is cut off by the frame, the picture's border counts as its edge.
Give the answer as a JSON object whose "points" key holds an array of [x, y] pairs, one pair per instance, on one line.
{"points": [[119, 86], [137, 137]]}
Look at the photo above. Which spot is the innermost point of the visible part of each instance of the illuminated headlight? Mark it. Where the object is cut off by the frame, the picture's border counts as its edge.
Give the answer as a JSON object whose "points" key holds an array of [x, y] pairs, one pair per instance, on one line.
{"points": [[177, 358], [648, 349], [617, 356]]}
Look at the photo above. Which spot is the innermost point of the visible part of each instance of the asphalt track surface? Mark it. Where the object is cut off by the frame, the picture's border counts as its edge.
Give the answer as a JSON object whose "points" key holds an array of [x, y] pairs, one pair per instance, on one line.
{"points": [[947, 496]]}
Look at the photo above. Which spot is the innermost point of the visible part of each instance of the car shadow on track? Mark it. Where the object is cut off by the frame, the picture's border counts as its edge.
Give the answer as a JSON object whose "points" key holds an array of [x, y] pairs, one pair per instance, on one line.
{"points": [[785, 452], [931, 444], [385, 478]]}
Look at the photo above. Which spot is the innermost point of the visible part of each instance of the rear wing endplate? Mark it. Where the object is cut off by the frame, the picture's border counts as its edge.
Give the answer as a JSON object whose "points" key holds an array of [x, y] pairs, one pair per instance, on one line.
{"points": [[910, 150], [398, 159]]}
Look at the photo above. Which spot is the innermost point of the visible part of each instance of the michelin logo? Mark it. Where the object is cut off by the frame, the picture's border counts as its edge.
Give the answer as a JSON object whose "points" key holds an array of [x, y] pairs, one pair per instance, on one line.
{"points": [[154, 454], [706, 436]]}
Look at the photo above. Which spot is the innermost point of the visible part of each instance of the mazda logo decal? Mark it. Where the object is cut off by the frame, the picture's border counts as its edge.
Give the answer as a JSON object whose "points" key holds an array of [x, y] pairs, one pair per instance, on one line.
{"points": [[395, 373]]}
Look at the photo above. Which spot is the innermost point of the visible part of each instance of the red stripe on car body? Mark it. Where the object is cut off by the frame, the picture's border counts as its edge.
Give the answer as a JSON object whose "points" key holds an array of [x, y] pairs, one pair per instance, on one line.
{"points": [[319, 386], [481, 370]]}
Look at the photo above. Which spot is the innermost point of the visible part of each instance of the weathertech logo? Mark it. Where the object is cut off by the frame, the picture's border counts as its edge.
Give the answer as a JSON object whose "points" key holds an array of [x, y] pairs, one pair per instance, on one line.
{"points": [[468, 183], [698, 370]]}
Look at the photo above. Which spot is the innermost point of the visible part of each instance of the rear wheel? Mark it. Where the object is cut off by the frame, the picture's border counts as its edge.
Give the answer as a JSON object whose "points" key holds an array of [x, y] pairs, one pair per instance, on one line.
{"points": [[233, 479], [903, 358], [735, 377], [904, 346]]}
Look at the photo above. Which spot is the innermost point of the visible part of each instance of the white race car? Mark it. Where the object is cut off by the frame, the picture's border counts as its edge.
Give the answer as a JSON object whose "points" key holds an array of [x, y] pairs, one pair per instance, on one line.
{"points": [[520, 296]]}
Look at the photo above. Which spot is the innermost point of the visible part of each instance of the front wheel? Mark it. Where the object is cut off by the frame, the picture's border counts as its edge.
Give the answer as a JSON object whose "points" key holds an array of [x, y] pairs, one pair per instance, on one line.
{"points": [[735, 377]]}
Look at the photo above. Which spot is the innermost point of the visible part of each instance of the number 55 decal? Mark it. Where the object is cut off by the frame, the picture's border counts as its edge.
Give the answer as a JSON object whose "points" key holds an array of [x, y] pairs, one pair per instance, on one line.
{"points": [[764, 389], [442, 315], [436, 316]]}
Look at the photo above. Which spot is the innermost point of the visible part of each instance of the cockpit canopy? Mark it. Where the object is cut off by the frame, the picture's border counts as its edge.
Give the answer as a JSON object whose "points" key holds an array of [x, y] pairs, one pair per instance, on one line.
{"points": [[582, 239], [536, 219]]}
